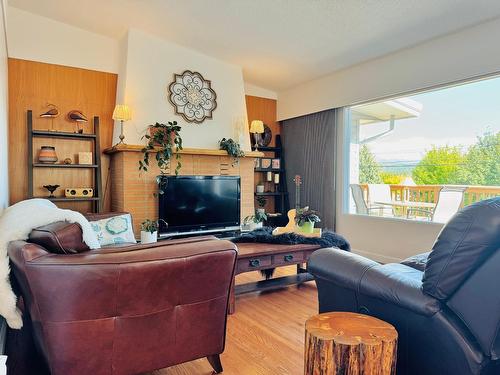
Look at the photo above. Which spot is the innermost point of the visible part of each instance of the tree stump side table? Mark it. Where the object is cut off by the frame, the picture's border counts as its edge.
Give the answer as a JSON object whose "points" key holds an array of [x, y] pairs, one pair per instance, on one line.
{"points": [[349, 343]]}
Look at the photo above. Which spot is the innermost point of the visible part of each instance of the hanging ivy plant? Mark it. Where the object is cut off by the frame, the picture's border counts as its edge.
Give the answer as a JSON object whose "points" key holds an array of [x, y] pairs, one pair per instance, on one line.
{"points": [[232, 148], [165, 140]]}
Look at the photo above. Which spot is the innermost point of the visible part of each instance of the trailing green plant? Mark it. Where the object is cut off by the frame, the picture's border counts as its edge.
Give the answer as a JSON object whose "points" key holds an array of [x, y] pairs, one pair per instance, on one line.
{"points": [[258, 217], [261, 201], [305, 214], [151, 226], [232, 148], [165, 140]]}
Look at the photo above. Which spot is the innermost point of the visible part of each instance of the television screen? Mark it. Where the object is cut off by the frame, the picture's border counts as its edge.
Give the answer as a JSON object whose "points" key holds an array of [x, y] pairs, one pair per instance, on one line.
{"points": [[199, 202]]}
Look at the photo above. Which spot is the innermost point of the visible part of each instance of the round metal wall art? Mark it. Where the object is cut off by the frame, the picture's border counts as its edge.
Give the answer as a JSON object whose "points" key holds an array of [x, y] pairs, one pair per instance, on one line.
{"points": [[192, 96]]}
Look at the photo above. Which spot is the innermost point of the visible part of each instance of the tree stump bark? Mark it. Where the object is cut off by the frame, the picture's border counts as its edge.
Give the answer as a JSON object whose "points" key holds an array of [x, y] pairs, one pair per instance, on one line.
{"points": [[343, 343]]}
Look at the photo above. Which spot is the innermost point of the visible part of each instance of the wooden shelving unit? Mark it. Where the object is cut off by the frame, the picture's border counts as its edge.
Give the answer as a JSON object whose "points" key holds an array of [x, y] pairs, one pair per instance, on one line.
{"points": [[93, 137], [280, 193]]}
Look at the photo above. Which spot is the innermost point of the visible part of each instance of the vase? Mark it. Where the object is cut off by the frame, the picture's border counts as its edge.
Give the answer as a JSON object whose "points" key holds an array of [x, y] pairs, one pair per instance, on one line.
{"points": [[307, 227], [148, 237], [47, 155]]}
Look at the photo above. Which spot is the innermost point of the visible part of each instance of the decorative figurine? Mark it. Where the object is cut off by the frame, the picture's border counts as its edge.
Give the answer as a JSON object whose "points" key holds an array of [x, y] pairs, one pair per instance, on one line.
{"points": [[78, 117], [51, 189], [52, 112]]}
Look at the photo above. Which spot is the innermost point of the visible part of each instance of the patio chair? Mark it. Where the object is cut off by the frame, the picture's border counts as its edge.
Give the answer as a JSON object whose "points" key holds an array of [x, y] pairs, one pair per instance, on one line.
{"points": [[362, 207], [380, 193], [359, 199], [449, 201]]}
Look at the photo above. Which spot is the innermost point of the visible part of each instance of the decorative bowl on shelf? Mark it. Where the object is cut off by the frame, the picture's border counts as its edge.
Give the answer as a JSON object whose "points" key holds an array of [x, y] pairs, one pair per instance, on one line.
{"points": [[47, 155]]}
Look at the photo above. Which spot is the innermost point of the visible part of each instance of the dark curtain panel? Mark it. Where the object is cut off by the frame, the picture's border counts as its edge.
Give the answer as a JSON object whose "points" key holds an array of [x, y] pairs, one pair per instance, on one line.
{"points": [[309, 148]]}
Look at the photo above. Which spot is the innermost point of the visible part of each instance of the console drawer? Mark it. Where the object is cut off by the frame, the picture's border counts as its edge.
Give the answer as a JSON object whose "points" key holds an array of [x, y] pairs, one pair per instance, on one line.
{"points": [[288, 258], [256, 263]]}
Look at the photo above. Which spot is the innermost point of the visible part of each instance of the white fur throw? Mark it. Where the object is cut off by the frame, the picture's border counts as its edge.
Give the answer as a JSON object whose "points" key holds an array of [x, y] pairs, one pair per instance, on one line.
{"points": [[16, 223]]}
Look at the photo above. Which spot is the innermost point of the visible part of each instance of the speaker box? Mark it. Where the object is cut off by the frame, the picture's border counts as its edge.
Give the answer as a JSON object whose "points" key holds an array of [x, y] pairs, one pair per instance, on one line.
{"points": [[79, 192]]}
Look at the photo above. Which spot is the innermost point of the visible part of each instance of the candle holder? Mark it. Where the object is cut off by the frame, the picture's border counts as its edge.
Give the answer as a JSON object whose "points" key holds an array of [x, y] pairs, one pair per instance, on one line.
{"points": [[51, 189]]}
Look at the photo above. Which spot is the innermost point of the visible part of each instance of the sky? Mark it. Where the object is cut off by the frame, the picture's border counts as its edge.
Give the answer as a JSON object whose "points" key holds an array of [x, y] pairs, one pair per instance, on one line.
{"points": [[453, 116]]}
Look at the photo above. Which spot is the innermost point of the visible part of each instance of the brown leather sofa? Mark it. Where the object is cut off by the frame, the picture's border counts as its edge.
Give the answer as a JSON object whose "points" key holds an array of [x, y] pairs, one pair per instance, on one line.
{"points": [[122, 310]]}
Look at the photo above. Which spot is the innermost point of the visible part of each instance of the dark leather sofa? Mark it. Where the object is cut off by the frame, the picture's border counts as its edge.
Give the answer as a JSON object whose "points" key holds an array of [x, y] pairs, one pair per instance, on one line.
{"points": [[444, 304], [119, 310]]}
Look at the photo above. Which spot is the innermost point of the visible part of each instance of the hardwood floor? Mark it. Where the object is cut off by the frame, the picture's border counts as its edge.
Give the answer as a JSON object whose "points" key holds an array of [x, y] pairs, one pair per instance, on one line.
{"points": [[266, 334]]}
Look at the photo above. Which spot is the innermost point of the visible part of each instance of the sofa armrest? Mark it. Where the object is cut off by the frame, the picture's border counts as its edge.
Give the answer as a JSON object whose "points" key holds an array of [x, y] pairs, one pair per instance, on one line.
{"points": [[338, 266], [393, 283], [399, 285]]}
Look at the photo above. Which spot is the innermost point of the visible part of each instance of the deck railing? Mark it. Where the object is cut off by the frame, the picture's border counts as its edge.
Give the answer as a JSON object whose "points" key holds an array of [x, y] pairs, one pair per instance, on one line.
{"points": [[430, 193]]}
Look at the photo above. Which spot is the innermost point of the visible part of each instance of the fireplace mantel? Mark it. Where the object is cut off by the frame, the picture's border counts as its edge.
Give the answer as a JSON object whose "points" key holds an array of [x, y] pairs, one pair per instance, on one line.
{"points": [[186, 151], [134, 191]]}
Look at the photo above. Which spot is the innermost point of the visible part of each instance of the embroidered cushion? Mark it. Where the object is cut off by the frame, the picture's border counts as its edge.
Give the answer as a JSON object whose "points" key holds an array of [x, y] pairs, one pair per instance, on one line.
{"points": [[114, 230]]}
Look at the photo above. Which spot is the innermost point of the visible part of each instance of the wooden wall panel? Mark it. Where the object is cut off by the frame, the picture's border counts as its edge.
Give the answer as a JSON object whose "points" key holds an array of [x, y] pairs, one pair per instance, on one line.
{"points": [[264, 109], [31, 86]]}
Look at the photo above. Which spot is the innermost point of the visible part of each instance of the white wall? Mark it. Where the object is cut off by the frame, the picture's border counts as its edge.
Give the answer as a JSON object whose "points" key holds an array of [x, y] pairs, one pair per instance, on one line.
{"points": [[4, 175], [37, 38], [467, 53], [261, 92], [150, 65]]}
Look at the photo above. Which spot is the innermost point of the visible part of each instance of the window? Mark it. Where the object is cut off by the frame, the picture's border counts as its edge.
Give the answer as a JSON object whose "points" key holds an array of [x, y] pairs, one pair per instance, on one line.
{"points": [[424, 156]]}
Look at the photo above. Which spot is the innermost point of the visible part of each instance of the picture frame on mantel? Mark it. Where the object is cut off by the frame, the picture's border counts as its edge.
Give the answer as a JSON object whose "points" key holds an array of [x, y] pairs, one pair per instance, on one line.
{"points": [[265, 163]]}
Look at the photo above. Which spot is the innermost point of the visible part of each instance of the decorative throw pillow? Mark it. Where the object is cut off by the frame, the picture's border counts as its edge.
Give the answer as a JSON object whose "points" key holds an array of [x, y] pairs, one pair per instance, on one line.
{"points": [[114, 230]]}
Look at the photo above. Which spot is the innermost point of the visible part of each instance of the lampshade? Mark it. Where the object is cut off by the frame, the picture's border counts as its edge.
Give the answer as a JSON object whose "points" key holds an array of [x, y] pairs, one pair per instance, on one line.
{"points": [[257, 126], [121, 112]]}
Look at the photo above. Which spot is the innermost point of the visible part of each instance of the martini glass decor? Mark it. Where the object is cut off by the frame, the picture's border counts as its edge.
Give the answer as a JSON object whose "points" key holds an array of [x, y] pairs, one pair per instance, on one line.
{"points": [[51, 189]]}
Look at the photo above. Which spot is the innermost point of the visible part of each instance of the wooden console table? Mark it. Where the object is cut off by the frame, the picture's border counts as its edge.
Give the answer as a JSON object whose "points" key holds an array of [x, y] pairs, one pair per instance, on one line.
{"points": [[261, 256]]}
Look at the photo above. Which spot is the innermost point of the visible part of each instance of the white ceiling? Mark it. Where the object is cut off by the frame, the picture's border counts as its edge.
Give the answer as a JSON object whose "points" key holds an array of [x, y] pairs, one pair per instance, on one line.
{"points": [[279, 43]]}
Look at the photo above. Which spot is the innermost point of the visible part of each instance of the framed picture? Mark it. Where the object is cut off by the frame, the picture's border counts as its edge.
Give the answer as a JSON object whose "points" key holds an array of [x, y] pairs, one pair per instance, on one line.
{"points": [[265, 163], [276, 163]]}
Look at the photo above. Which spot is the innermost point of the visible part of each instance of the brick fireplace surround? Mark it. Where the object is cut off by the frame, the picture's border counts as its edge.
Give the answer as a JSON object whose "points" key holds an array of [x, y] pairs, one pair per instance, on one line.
{"points": [[133, 191]]}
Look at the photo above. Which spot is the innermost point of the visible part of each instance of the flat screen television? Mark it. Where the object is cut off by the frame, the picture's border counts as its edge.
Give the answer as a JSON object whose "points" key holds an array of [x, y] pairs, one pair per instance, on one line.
{"points": [[199, 203]]}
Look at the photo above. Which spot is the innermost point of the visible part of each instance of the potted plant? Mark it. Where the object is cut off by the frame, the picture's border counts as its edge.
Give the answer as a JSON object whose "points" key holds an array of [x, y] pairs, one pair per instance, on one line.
{"points": [[165, 140], [149, 231], [232, 148], [255, 221], [261, 201], [306, 218]]}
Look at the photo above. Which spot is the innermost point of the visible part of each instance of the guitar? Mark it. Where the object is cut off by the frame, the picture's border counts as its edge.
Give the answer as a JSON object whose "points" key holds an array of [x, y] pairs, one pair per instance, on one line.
{"points": [[290, 227]]}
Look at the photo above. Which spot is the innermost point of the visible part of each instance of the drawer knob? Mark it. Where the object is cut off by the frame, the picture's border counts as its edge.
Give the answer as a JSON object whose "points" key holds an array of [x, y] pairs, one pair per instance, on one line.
{"points": [[288, 258], [254, 262]]}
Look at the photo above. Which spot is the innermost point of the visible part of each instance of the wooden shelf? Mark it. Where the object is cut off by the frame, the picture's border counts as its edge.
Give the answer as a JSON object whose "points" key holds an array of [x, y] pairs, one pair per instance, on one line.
{"points": [[50, 134], [271, 149], [44, 168], [186, 151], [64, 199], [43, 165], [270, 193], [269, 170]]}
